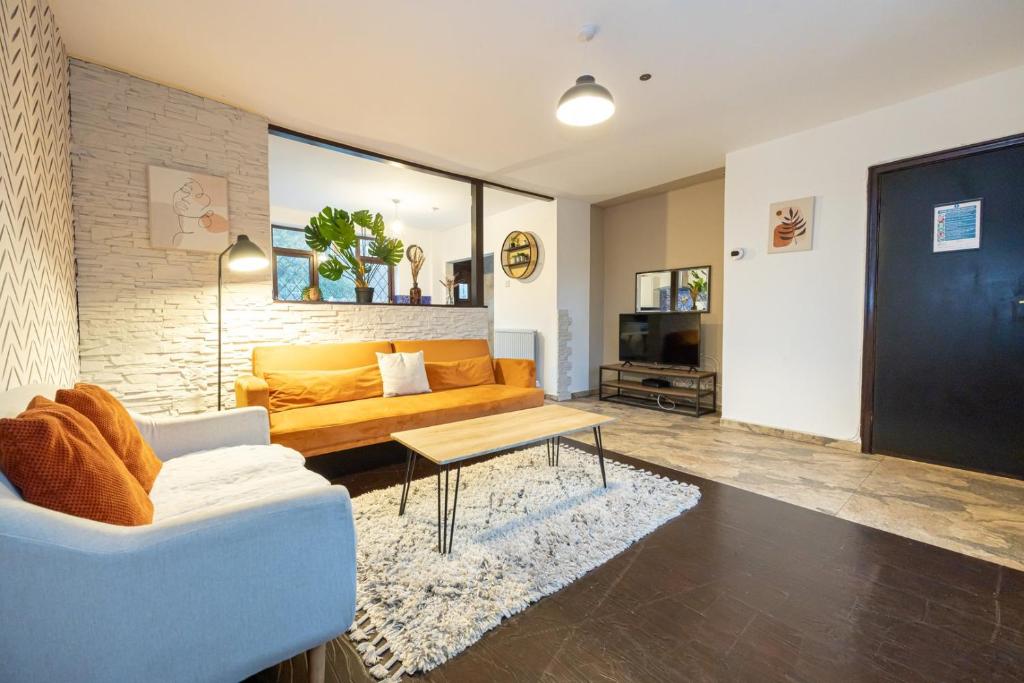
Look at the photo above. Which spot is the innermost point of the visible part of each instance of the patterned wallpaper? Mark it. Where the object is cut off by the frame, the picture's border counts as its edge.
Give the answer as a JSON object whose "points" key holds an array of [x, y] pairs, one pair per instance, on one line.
{"points": [[38, 316]]}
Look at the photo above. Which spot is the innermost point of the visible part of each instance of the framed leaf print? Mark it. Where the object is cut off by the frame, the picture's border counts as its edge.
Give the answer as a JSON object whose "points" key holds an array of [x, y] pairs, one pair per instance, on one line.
{"points": [[791, 225]]}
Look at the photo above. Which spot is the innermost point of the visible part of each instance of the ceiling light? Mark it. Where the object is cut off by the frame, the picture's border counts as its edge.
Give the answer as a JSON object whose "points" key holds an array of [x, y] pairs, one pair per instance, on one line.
{"points": [[587, 103], [396, 223]]}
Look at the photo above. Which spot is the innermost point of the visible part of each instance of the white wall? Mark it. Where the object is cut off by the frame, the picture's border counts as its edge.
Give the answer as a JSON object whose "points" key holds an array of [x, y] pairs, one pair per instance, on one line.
{"points": [[573, 296], [529, 304], [453, 244], [560, 283], [794, 322]]}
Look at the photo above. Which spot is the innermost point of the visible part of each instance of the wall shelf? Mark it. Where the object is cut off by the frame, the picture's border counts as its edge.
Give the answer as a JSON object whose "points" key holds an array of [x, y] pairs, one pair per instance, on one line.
{"points": [[519, 254]]}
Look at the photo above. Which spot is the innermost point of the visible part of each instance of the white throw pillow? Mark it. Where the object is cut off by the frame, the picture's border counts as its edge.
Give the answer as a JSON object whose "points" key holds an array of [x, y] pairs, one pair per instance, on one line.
{"points": [[403, 373]]}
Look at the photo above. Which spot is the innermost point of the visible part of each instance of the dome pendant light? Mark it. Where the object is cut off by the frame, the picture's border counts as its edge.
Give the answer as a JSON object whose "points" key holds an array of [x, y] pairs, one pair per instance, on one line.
{"points": [[587, 103]]}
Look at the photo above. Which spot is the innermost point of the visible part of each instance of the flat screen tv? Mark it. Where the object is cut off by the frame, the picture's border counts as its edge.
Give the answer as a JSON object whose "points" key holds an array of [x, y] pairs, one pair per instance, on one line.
{"points": [[668, 338]]}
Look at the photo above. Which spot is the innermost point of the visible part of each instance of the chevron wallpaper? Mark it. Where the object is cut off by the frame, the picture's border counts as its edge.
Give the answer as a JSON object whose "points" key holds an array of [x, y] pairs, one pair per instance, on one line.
{"points": [[38, 316]]}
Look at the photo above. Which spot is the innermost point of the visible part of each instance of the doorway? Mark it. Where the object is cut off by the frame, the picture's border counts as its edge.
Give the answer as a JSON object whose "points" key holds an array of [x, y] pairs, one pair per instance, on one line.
{"points": [[944, 312], [462, 272]]}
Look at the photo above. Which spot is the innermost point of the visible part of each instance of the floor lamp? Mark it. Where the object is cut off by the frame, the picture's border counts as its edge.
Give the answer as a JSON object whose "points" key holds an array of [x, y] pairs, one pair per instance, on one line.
{"points": [[243, 256]]}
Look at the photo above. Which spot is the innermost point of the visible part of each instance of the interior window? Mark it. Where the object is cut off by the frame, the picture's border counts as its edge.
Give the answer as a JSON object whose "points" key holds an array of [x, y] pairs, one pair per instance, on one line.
{"points": [[429, 212]]}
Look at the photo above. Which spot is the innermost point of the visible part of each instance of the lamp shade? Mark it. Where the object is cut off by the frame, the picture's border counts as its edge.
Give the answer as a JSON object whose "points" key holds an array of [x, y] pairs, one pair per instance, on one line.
{"points": [[244, 255], [585, 103]]}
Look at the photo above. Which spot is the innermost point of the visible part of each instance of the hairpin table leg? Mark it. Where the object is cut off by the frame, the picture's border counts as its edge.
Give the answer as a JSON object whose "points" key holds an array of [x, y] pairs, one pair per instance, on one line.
{"points": [[455, 505], [439, 510], [446, 534], [600, 454], [410, 468]]}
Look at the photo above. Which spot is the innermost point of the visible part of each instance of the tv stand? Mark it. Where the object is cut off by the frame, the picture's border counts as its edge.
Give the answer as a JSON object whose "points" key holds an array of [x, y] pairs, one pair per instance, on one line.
{"points": [[702, 395]]}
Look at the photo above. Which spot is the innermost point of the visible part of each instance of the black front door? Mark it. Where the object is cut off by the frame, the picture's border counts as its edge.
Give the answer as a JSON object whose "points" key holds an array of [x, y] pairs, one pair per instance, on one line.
{"points": [[949, 326]]}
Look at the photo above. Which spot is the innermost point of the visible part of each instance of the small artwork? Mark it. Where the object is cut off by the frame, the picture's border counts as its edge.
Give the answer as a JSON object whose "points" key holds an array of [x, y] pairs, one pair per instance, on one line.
{"points": [[957, 226], [791, 225], [187, 210]]}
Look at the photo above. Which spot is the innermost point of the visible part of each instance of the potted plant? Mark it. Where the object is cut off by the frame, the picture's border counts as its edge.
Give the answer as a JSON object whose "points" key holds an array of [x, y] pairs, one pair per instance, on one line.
{"points": [[311, 294], [698, 285], [335, 235]]}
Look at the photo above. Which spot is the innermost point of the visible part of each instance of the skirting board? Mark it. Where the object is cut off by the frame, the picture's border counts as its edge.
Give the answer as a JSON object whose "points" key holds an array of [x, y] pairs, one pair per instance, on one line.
{"points": [[853, 446], [571, 397]]}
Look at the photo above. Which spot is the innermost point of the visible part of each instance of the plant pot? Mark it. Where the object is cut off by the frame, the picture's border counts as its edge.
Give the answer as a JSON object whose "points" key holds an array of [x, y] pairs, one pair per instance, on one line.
{"points": [[364, 295], [415, 296]]}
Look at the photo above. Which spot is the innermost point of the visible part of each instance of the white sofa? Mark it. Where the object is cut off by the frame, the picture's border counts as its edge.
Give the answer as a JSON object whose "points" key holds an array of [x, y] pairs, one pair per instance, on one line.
{"points": [[250, 560]]}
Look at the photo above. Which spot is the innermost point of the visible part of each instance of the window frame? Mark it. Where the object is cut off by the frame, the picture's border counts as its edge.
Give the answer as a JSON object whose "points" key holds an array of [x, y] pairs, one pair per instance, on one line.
{"points": [[314, 275]]}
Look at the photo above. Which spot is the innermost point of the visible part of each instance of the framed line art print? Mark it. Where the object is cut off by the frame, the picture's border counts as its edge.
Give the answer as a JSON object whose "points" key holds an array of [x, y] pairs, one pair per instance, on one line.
{"points": [[187, 210]]}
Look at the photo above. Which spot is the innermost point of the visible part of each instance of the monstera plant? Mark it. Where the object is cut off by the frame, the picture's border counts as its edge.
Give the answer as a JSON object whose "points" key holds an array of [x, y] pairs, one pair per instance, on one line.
{"points": [[338, 236]]}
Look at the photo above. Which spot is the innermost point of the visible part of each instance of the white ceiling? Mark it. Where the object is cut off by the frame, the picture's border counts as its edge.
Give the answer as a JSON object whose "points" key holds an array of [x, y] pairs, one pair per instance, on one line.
{"points": [[472, 86], [304, 178]]}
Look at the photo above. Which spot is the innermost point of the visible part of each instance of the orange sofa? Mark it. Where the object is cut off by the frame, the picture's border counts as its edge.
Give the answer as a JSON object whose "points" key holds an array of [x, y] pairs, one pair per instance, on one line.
{"points": [[317, 429]]}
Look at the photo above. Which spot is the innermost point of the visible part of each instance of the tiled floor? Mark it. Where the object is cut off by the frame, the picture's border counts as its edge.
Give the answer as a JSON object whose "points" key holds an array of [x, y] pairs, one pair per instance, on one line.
{"points": [[975, 514]]}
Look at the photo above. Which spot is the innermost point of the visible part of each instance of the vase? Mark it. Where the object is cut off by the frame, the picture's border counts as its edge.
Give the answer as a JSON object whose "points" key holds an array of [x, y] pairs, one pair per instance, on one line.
{"points": [[364, 295], [415, 296]]}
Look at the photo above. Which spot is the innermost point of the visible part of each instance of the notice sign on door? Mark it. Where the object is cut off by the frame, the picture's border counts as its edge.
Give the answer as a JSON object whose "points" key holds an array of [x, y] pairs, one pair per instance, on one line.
{"points": [[957, 226]]}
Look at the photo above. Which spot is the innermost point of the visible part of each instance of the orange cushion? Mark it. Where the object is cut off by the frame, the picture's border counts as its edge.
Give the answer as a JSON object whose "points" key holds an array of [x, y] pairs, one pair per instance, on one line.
{"points": [[117, 427], [59, 460], [453, 374], [316, 387], [515, 372], [440, 350], [323, 429]]}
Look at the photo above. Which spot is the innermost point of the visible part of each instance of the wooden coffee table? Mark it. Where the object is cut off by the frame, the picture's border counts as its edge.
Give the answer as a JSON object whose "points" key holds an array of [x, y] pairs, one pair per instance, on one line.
{"points": [[454, 443]]}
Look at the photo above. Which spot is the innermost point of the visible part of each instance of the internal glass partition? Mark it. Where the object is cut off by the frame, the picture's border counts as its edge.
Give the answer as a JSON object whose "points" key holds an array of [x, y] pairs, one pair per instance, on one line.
{"points": [[430, 215]]}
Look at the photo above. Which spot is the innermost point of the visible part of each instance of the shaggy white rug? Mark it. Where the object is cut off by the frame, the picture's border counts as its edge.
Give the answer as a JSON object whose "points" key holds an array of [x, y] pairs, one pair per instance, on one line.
{"points": [[525, 529]]}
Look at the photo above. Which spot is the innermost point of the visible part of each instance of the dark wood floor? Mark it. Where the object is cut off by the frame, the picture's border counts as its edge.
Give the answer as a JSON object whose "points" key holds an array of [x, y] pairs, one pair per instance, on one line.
{"points": [[747, 588]]}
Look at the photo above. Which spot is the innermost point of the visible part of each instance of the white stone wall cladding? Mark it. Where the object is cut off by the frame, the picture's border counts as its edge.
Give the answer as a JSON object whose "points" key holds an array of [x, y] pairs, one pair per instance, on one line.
{"points": [[564, 354], [148, 316]]}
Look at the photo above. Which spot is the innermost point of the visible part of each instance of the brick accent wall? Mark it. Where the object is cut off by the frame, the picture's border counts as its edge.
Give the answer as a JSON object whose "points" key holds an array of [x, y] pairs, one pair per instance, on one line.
{"points": [[148, 316]]}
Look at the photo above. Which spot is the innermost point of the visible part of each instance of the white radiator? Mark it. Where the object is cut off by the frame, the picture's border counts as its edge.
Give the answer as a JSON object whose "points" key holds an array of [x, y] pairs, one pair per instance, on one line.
{"points": [[515, 344]]}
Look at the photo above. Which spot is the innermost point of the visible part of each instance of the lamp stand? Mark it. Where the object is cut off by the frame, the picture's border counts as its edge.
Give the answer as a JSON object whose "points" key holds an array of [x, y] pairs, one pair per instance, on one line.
{"points": [[220, 344]]}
